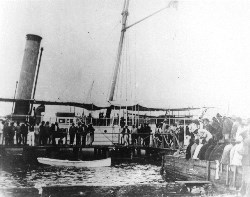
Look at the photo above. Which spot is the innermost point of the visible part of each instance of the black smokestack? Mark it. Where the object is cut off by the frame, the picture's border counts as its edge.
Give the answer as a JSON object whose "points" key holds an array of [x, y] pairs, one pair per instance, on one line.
{"points": [[27, 75]]}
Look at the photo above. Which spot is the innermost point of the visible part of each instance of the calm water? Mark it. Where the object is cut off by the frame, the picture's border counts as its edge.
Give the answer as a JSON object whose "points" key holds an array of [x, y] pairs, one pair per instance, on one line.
{"points": [[23, 177], [42, 175], [124, 179]]}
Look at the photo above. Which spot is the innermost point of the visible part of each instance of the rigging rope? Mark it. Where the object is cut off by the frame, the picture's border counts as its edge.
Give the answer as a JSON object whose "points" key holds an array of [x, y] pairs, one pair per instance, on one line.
{"points": [[135, 69], [121, 73], [126, 64], [129, 64], [173, 3]]}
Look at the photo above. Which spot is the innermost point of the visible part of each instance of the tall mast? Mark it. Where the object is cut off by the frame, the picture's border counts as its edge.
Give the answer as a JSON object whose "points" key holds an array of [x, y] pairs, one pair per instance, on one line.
{"points": [[118, 59]]}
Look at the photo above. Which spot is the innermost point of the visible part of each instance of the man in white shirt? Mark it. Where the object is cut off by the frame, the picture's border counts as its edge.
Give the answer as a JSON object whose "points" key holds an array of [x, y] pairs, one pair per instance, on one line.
{"points": [[31, 136]]}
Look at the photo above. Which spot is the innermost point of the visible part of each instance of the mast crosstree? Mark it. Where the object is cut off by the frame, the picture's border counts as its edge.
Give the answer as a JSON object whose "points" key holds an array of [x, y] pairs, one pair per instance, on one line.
{"points": [[172, 3]]}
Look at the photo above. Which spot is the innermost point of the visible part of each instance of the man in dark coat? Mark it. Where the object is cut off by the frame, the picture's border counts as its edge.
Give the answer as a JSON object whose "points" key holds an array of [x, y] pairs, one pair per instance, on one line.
{"points": [[79, 131], [54, 129], [51, 134], [11, 133], [5, 136], [217, 152], [147, 131], [188, 150], [42, 133], [72, 133], [209, 151], [47, 132], [18, 134], [204, 148], [216, 130], [227, 127], [24, 132], [84, 134], [181, 137]]}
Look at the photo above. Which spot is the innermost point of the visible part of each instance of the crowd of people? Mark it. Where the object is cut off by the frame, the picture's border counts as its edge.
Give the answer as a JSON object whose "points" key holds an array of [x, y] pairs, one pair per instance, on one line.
{"points": [[138, 135], [225, 140], [168, 135], [44, 133], [82, 134], [8, 130], [163, 136], [208, 138]]}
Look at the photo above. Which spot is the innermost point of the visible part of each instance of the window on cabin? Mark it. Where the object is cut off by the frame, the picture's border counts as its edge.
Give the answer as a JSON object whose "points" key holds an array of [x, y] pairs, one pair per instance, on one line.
{"points": [[61, 120]]}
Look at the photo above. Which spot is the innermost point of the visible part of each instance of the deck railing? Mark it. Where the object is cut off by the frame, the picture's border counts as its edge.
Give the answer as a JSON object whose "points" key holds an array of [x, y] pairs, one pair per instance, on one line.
{"points": [[135, 121], [100, 121], [114, 138]]}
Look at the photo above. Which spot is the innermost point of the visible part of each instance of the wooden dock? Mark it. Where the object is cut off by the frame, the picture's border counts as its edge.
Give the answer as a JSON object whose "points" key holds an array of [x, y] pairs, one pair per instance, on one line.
{"points": [[29, 153]]}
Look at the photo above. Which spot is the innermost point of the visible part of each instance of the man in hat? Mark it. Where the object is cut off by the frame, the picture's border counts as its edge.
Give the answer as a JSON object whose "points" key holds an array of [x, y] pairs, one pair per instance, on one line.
{"points": [[216, 129]]}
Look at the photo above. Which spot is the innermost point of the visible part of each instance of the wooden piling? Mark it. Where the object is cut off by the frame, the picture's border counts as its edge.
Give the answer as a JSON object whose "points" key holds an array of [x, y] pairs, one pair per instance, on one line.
{"points": [[234, 176], [208, 171], [131, 154], [76, 152], [99, 151], [138, 151], [107, 153], [227, 175]]}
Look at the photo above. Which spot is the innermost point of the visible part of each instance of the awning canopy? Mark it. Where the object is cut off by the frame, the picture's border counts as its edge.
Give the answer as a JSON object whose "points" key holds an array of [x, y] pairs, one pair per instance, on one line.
{"points": [[132, 106], [138, 107]]}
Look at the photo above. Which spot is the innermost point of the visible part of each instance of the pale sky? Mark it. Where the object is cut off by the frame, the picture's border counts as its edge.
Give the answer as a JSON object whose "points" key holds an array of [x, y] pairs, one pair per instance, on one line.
{"points": [[195, 55]]}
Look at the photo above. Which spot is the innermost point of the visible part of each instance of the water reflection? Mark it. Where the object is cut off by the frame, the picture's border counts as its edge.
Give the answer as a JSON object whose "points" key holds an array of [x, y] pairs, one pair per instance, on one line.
{"points": [[42, 175], [135, 179]]}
